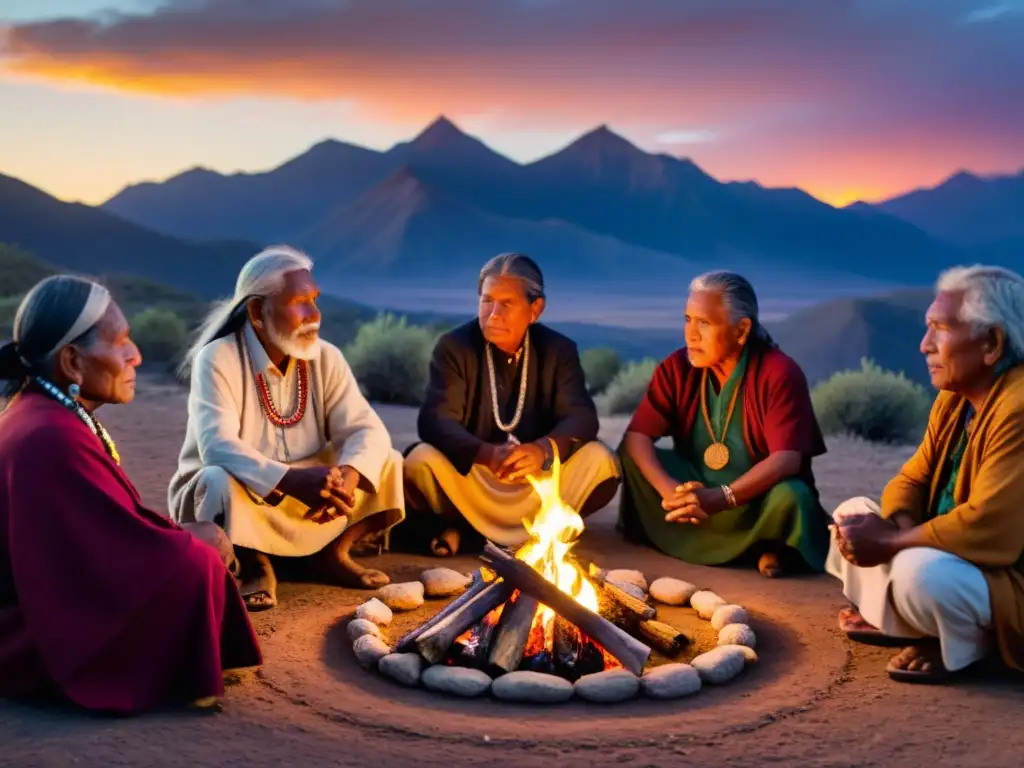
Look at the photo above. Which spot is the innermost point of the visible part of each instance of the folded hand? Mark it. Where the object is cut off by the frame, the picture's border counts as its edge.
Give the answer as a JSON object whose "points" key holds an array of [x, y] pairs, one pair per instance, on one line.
{"points": [[684, 503], [866, 540], [520, 461]]}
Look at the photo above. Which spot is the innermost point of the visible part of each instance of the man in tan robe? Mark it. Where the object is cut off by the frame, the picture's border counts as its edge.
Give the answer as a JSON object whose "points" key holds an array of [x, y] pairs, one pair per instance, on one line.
{"points": [[282, 449], [939, 565], [505, 396]]}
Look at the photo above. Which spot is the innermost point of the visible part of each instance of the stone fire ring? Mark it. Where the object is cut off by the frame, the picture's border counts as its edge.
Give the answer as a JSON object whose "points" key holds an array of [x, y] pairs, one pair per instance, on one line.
{"points": [[735, 650]]}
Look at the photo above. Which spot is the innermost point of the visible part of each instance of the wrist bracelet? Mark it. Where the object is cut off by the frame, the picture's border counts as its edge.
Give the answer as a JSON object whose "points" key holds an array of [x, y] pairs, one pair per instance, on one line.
{"points": [[730, 497]]}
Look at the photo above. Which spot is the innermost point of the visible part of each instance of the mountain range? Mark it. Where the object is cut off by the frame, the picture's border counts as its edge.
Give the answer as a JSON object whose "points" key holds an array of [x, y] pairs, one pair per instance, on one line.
{"points": [[966, 209], [81, 238], [600, 210]]}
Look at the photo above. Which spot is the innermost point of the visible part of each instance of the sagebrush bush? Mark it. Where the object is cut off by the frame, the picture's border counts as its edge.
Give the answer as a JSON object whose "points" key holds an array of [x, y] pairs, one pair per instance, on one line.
{"points": [[160, 335], [390, 359], [600, 366], [627, 389], [872, 403]]}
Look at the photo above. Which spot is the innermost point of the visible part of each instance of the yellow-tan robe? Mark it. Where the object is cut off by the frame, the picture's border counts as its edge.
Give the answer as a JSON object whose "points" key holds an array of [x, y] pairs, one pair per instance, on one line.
{"points": [[986, 527]]}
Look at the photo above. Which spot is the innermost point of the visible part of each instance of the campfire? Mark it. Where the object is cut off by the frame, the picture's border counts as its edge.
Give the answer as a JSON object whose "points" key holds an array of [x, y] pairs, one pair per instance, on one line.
{"points": [[541, 609], [539, 624]]}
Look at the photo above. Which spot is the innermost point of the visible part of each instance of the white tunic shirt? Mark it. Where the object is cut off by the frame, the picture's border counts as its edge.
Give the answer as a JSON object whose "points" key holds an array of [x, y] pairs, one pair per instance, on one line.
{"points": [[228, 429]]}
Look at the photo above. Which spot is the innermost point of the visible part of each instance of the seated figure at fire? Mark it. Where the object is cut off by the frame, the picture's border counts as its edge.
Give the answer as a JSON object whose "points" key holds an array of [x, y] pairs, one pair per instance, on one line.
{"points": [[506, 396], [737, 481], [281, 448], [104, 603], [938, 567]]}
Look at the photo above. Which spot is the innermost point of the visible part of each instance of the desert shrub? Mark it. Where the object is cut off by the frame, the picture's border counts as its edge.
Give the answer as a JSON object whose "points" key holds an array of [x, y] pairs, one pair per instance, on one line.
{"points": [[626, 390], [390, 359], [600, 365], [874, 404], [160, 335]]}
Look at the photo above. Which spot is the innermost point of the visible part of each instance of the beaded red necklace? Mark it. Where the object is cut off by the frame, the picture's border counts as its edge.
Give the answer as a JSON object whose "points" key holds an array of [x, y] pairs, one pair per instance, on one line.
{"points": [[268, 404]]}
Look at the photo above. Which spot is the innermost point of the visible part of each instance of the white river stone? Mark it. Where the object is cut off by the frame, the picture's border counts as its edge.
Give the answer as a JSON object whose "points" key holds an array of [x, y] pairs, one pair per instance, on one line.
{"points": [[737, 634], [671, 681], [406, 596], [729, 614], [369, 650], [720, 665], [672, 591], [359, 627], [749, 654], [444, 582], [608, 686], [403, 667], [706, 603], [375, 611], [458, 681], [536, 687]]}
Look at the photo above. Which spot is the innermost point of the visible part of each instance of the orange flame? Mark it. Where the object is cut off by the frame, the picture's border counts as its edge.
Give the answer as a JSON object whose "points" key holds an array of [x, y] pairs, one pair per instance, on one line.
{"points": [[553, 533]]}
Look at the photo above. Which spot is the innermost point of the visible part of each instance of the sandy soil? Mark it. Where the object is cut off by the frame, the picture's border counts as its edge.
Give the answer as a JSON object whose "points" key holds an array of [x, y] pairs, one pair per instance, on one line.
{"points": [[815, 699]]}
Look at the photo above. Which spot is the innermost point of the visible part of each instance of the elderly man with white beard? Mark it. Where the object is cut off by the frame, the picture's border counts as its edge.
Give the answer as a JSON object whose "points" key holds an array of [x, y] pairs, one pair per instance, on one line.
{"points": [[282, 449]]}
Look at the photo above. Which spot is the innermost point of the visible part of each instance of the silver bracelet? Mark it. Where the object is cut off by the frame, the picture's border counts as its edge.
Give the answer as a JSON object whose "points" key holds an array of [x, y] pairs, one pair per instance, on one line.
{"points": [[730, 497]]}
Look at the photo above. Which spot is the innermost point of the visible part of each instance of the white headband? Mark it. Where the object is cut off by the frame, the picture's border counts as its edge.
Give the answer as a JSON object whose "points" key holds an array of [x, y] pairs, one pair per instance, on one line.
{"points": [[95, 306]]}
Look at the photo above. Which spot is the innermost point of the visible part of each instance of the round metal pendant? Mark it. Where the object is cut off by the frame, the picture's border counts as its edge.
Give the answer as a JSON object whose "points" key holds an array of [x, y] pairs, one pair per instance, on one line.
{"points": [[716, 456]]}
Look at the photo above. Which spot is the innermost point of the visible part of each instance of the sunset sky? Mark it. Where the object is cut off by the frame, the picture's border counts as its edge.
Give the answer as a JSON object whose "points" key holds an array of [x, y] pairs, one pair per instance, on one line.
{"points": [[847, 99]]}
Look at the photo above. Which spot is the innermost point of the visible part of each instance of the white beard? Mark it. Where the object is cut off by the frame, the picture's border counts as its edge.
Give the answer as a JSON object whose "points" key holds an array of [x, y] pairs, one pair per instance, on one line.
{"points": [[293, 345]]}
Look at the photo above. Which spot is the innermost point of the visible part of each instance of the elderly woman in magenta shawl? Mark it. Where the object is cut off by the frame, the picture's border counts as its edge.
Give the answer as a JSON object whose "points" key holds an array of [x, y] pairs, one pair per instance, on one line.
{"points": [[103, 602], [738, 480]]}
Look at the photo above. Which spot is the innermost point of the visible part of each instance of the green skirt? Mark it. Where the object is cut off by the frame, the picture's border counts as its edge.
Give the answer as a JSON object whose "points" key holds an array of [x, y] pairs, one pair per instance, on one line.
{"points": [[789, 514]]}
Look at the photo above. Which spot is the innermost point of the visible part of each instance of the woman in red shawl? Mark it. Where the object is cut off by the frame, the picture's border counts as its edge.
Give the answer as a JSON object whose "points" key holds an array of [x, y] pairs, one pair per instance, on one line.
{"points": [[103, 602], [744, 432]]}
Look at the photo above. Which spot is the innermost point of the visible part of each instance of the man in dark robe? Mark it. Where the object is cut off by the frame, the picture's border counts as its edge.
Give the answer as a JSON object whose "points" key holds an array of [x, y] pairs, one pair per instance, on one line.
{"points": [[744, 432], [506, 399]]}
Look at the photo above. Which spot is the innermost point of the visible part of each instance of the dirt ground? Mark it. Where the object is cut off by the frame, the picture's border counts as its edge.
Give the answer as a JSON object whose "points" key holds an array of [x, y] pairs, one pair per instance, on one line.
{"points": [[813, 700]]}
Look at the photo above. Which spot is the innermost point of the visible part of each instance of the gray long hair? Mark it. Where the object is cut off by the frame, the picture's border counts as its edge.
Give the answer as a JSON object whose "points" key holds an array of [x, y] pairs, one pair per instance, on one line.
{"points": [[993, 297], [262, 276], [739, 299], [515, 265]]}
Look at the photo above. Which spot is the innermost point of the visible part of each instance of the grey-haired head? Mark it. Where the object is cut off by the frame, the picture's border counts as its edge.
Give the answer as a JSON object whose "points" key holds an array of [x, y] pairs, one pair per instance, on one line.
{"points": [[722, 318], [69, 330], [516, 265], [975, 328], [261, 277], [511, 294]]}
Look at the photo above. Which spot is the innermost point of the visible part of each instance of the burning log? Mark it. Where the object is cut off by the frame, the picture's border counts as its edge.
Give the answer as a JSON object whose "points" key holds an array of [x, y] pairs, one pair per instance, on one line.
{"points": [[633, 604], [471, 647], [434, 642], [630, 652], [667, 639], [512, 634], [475, 588], [575, 655], [567, 646], [633, 615]]}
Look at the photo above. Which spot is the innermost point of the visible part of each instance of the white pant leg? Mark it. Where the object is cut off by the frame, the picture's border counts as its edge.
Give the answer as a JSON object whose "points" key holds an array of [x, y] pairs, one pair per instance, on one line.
{"points": [[941, 595], [923, 592]]}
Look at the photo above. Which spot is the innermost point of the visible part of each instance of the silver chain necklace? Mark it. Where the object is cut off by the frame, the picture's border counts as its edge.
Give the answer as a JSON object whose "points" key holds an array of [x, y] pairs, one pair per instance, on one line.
{"points": [[507, 428]]}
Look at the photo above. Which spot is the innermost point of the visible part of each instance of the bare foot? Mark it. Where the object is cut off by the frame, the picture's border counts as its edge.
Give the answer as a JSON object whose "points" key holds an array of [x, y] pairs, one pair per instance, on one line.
{"points": [[918, 663], [850, 620], [769, 565], [447, 544], [344, 571]]}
